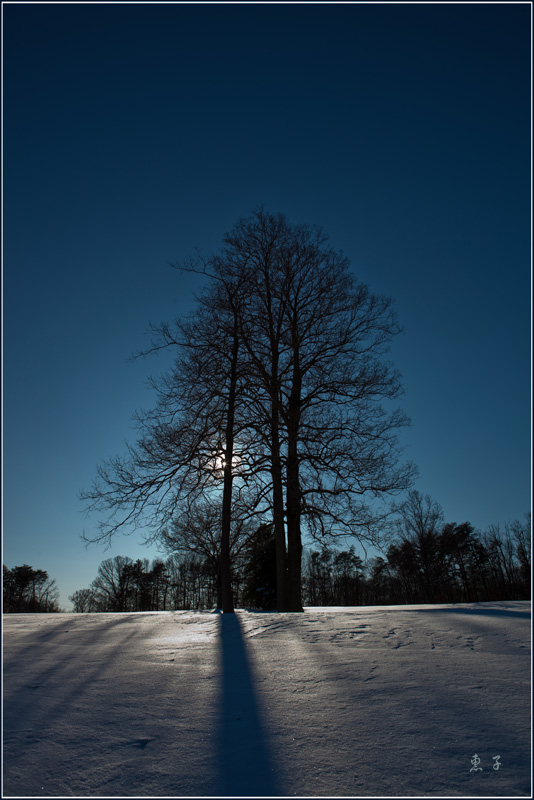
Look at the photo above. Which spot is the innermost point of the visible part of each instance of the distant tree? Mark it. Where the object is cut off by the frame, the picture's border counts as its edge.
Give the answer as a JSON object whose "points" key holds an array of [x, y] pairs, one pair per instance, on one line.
{"points": [[501, 547], [508, 559], [159, 579], [348, 578], [197, 531], [417, 557], [122, 584], [318, 585], [191, 583], [260, 570], [522, 536], [458, 550], [28, 590], [437, 562], [149, 585], [113, 586], [403, 559], [434, 561], [125, 585], [83, 601], [383, 586], [136, 577], [333, 577]]}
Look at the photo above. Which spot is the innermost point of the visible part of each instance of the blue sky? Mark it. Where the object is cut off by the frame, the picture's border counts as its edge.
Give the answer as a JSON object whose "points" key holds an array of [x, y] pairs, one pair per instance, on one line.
{"points": [[134, 133]]}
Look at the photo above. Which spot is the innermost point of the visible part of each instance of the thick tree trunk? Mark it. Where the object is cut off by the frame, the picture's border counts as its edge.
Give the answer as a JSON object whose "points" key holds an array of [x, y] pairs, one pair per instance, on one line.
{"points": [[218, 587], [226, 572], [226, 522], [294, 540], [293, 500], [227, 600], [278, 509], [280, 541]]}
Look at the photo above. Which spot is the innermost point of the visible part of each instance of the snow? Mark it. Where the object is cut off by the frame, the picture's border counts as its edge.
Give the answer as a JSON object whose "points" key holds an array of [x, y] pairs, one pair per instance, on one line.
{"points": [[369, 701]]}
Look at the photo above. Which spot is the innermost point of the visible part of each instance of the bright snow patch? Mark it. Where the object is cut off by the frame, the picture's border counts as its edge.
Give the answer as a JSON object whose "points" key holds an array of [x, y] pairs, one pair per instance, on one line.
{"points": [[368, 701]]}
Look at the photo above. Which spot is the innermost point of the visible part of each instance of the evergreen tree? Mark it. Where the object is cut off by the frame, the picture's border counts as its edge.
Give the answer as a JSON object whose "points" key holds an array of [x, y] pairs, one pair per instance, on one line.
{"points": [[260, 570]]}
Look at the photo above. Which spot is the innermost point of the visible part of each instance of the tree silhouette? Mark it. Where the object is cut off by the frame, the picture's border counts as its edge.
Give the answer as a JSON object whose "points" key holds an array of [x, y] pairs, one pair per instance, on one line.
{"points": [[28, 590], [197, 532], [275, 398], [316, 341], [260, 570]]}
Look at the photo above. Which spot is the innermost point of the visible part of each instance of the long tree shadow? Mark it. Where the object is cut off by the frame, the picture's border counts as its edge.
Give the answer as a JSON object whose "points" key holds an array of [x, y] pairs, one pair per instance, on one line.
{"points": [[246, 767], [479, 610]]}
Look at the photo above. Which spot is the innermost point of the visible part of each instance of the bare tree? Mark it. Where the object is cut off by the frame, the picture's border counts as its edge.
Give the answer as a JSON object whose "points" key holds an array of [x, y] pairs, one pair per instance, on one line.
{"points": [[197, 532], [420, 521], [275, 395], [113, 584], [185, 451], [83, 601], [522, 536], [316, 341], [252, 255], [341, 444]]}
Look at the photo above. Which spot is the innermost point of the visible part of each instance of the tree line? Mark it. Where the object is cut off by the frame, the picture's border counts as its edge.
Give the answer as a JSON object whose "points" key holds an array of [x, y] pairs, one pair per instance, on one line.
{"points": [[278, 412], [427, 561], [27, 590], [122, 584], [433, 561], [446, 563]]}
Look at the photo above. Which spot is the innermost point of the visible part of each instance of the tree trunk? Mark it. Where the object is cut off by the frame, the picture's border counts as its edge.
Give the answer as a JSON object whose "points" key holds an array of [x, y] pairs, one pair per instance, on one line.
{"points": [[278, 508], [225, 561], [226, 573], [294, 540], [218, 587]]}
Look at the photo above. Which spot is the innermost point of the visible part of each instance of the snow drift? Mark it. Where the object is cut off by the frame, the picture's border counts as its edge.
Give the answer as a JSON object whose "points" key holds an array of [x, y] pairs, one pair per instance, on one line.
{"points": [[368, 701]]}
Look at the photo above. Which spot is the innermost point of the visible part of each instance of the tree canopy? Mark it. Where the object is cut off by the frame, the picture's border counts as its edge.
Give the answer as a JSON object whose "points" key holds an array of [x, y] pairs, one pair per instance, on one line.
{"points": [[28, 590], [279, 403]]}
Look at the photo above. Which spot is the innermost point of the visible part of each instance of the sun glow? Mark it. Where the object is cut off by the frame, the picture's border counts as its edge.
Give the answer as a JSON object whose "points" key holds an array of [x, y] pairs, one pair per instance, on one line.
{"points": [[218, 463]]}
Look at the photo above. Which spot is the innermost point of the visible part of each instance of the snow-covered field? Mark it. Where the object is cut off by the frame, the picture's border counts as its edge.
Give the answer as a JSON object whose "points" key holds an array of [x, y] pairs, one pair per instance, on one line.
{"points": [[371, 701]]}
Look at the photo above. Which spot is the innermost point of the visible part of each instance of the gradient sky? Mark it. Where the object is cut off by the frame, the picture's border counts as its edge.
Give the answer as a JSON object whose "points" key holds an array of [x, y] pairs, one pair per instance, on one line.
{"points": [[134, 133]]}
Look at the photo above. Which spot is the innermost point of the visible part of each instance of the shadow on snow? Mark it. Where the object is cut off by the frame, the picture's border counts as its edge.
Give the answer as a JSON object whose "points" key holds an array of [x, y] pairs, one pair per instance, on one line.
{"points": [[479, 610], [246, 767]]}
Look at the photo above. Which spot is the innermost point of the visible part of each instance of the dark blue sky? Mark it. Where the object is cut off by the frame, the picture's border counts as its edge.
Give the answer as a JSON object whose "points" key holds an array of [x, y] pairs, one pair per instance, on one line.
{"points": [[134, 133]]}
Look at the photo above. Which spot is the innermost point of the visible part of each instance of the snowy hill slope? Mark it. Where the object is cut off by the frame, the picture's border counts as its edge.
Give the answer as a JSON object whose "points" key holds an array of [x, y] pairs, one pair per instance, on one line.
{"points": [[368, 701]]}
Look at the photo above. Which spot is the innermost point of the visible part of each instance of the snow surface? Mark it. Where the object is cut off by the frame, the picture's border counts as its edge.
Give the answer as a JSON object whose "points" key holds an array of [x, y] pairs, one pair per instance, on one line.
{"points": [[369, 701]]}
